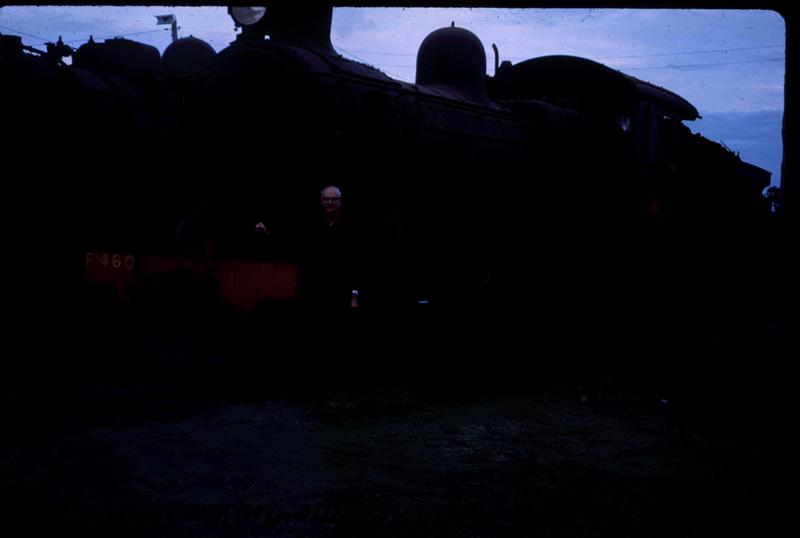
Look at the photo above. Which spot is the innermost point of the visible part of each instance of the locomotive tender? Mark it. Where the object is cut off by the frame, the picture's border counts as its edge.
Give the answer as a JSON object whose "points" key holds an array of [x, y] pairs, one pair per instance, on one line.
{"points": [[549, 189]]}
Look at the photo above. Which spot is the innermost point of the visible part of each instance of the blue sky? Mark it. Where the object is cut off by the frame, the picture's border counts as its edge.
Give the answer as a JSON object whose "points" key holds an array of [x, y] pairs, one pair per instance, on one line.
{"points": [[728, 63]]}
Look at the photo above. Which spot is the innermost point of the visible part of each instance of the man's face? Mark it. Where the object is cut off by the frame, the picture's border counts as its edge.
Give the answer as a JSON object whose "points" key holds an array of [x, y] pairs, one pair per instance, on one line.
{"points": [[331, 199]]}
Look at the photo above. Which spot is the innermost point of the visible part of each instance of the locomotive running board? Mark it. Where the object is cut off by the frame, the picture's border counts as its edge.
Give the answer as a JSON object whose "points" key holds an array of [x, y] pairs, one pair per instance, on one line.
{"points": [[242, 283]]}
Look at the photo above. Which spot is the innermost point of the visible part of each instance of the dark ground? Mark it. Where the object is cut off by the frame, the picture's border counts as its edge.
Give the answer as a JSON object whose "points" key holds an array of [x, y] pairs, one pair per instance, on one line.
{"points": [[148, 427]]}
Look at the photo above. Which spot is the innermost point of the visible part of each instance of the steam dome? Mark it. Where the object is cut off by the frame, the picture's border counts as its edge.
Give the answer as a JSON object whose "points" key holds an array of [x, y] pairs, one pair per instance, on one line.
{"points": [[186, 56], [454, 59]]}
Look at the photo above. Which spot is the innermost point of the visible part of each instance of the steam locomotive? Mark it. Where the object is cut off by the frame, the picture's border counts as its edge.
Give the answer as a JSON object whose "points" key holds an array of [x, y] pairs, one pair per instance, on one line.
{"points": [[556, 188]]}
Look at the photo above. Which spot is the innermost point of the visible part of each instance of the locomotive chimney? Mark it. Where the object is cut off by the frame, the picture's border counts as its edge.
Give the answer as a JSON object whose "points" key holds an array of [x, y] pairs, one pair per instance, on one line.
{"points": [[309, 26]]}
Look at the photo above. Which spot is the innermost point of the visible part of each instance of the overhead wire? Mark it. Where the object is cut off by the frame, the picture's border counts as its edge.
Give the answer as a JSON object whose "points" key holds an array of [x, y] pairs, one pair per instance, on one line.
{"points": [[107, 36], [709, 51], [677, 66], [681, 66], [353, 54], [679, 53], [366, 62], [633, 68], [22, 33]]}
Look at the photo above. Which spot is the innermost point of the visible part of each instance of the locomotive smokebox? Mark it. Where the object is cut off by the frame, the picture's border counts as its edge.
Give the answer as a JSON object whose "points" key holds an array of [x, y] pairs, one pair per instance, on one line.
{"points": [[454, 59], [186, 57]]}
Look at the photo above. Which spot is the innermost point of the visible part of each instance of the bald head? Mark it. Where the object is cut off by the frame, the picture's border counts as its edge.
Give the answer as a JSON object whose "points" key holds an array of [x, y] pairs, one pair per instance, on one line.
{"points": [[331, 200], [331, 190]]}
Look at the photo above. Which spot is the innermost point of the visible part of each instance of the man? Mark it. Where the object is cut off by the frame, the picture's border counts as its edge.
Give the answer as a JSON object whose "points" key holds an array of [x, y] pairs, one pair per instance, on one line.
{"points": [[328, 274]]}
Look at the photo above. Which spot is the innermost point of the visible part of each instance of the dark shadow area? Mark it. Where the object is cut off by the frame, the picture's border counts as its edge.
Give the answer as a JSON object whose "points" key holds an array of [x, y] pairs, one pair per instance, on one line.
{"points": [[544, 324], [208, 420]]}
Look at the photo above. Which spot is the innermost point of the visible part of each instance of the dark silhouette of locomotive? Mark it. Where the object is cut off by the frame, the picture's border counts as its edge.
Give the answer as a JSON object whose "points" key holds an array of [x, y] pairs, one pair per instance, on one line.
{"points": [[557, 190]]}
